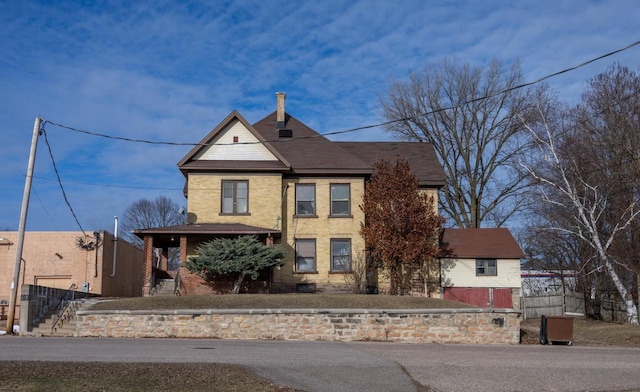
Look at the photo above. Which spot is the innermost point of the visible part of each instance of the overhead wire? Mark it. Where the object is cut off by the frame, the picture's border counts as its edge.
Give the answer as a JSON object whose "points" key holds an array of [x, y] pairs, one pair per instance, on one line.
{"points": [[112, 186], [460, 104], [64, 194], [46, 211], [583, 122], [350, 130]]}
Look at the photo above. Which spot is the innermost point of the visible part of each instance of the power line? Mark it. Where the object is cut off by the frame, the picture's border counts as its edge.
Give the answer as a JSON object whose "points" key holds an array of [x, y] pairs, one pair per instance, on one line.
{"points": [[45, 209], [464, 103], [584, 123], [64, 194], [111, 185], [325, 134]]}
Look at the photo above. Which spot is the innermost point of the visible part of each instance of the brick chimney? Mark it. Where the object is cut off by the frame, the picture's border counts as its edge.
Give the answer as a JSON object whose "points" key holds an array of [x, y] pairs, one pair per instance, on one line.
{"points": [[280, 113]]}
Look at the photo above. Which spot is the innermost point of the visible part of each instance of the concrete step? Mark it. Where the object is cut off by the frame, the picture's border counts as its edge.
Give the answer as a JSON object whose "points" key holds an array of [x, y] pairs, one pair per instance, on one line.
{"points": [[164, 287], [66, 326]]}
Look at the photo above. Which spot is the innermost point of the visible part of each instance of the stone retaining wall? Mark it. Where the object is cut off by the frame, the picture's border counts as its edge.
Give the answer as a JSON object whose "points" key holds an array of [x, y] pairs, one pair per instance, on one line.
{"points": [[472, 326]]}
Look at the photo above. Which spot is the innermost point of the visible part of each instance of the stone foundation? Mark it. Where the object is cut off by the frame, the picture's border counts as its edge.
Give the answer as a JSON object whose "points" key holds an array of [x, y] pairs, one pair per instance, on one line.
{"points": [[470, 326]]}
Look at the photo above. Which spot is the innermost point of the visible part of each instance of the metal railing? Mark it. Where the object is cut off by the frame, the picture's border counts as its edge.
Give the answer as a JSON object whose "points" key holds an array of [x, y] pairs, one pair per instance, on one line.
{"points": [[177, 284], [62, 306]]}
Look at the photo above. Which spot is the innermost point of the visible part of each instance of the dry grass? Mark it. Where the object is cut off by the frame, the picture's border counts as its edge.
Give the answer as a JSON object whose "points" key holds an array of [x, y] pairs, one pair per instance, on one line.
{"points": [[277, 301], [590, 333], [95, 376], [69, 376]]}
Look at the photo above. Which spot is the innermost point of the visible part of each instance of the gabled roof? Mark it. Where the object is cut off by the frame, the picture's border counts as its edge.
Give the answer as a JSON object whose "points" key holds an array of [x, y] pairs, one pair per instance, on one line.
{"points": [[422, 158], [190, 161], [482, 243], [307, 151]]}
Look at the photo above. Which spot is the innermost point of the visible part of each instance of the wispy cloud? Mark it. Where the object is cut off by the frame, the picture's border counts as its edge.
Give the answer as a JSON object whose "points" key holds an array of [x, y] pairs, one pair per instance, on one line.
{"points": [[170, 71]]}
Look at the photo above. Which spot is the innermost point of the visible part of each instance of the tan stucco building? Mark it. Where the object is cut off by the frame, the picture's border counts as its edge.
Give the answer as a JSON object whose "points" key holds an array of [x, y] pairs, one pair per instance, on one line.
{"points": [[65, 259]]}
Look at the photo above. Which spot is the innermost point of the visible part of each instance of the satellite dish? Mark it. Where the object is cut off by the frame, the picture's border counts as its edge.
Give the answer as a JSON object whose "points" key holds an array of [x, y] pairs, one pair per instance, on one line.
{"points": [[192, 218]]}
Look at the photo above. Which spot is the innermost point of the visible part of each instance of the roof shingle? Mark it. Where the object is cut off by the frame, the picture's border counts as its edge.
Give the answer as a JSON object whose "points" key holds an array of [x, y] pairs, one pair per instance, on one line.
{"points": [[307, 151], [421, 157], [482, 243]]}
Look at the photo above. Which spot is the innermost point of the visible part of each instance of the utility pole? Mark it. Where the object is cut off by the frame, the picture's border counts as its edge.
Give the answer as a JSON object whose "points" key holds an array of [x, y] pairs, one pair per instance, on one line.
{"points": [[21, 227]]}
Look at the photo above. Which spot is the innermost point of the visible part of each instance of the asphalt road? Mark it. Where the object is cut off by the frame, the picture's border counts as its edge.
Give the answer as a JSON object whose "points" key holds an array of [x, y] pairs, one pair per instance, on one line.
{"points": [[364, 366]]}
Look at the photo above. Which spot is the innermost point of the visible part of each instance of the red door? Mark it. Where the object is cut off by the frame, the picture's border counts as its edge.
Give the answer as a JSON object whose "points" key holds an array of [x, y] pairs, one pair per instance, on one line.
{"points": [[480, 296], [502, 298]]}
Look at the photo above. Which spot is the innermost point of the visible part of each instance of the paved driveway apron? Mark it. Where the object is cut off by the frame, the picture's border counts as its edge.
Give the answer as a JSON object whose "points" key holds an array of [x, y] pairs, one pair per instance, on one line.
{"points": [[311, 366], [458, 368], [364, 366]]}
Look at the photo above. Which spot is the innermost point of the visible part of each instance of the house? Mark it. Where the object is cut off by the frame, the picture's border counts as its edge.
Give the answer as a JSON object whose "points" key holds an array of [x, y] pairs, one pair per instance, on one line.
{"points": [[284, 183], [485, 268], [72, 260]]}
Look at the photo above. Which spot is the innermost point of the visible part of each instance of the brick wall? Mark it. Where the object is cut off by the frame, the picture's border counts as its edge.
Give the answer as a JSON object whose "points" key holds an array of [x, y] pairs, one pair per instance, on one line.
{"points": [[471, 326], [191, 284]]}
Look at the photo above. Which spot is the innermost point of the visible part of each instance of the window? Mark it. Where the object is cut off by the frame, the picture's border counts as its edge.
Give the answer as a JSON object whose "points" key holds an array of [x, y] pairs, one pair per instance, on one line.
{"points": [[340, 199], [305, 199], [341, 255], [305, 255], [486, 267], [235, 197]]}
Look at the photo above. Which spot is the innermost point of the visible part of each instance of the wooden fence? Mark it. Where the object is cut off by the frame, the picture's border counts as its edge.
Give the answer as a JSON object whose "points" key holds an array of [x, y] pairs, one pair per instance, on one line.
{"points": [[602, 308], [552, 305]]}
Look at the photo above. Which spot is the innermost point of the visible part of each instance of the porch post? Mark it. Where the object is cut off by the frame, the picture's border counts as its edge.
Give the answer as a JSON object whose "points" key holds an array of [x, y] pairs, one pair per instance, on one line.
{"points": [[164, 259], [147, 265], [183, 248], [182, 271]]}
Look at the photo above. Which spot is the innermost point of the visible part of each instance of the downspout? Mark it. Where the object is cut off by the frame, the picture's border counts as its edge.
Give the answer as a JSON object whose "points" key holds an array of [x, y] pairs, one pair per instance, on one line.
{"points": [[115, 245], [279, 217], [98, 244], [95, 264]]}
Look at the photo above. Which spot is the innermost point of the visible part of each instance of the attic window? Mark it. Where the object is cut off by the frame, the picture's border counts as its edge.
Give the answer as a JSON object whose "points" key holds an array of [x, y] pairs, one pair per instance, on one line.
{"points": [[285, 133], [235, 139]]}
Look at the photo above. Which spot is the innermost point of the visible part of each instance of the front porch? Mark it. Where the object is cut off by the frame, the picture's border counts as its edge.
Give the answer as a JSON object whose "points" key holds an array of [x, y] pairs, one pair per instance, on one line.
{"points": [[187, 238]]}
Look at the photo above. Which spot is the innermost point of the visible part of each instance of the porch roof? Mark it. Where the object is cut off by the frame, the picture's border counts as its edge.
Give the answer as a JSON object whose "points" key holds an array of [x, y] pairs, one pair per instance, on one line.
{"points": [[170, 236]]}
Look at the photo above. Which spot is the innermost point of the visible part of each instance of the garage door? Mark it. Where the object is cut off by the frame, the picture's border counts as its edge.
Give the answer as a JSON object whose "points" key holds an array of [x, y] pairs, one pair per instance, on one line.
{"points": [[480, 296]]}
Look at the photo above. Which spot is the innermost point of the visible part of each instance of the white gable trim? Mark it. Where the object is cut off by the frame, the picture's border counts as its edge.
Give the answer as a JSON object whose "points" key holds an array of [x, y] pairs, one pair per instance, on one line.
{"points": [[224, 147]]}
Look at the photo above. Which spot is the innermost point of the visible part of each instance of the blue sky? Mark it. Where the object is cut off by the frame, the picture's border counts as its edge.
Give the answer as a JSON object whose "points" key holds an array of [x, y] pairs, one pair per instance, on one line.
{"points": [[172, 70]]}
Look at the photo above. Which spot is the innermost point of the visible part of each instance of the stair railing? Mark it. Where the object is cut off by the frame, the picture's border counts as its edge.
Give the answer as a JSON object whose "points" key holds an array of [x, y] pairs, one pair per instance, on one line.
{"points": [[176, 284], [62, 305]]}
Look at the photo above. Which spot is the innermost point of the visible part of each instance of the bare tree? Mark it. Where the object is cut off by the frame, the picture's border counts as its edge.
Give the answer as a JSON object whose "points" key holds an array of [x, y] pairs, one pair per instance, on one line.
{"points": [[609, 118], [567, 182], [147, 214], [472, 117]]}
